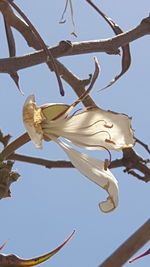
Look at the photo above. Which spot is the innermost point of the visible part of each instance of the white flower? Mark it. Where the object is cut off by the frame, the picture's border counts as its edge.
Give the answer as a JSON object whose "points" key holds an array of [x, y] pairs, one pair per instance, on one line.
{"points": [[93, 128]]}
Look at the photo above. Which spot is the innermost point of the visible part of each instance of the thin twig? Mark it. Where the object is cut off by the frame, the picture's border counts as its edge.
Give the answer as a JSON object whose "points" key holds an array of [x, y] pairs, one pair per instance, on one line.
{"points": [[143, 144], [123, 162]]}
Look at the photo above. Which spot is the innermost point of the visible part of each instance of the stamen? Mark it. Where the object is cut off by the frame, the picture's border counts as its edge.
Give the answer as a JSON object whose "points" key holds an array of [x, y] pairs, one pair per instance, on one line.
{"points": [[105, 125], [110, 141], [98, 133], [75, 113], [86, 135]]}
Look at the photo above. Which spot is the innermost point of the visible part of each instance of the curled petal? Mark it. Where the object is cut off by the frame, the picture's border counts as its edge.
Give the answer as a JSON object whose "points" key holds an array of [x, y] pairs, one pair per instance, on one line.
{"points": [[94, 170], [94, 129]]}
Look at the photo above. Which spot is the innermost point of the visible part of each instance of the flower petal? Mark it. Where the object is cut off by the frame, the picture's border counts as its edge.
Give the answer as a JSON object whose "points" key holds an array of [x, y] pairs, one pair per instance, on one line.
{"points": [[94, 170], [94, 129], [53, 111], [32, 117]]}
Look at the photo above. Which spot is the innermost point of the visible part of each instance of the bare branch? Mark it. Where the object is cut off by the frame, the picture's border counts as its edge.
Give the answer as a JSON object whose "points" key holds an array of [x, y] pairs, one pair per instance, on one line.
{"points": [[42, 162], [131, 160], [129, 247], [13, 146], [110, 46], [32, 31], [14, 21]]}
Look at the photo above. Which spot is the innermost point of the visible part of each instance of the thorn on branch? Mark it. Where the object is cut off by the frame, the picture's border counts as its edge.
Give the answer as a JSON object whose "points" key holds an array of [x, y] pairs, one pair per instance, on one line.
{"points": [[4, 139], [86, 82], [146, 21]]}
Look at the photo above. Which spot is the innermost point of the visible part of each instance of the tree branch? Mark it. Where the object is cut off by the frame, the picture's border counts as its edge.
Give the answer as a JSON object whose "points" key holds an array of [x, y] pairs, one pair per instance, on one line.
{"points": [[14, 21], [110, 46], [13, 146], [131, 160], [42, 162], [129, 247]]}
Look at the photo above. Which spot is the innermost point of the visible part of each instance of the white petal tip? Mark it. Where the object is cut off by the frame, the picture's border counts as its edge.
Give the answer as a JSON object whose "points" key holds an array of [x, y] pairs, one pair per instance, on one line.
{"points": [[35, 137], [30, 99], [107, 206], [39, 146]]}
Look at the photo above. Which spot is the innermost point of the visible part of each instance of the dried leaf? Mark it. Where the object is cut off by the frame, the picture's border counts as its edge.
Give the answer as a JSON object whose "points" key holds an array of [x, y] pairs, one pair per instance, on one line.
{"points": [[126, 56], [62, 20]]}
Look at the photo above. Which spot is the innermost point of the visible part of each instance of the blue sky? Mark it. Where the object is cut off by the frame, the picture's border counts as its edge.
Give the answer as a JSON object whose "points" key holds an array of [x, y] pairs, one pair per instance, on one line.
{"points": [[47, 205]]}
